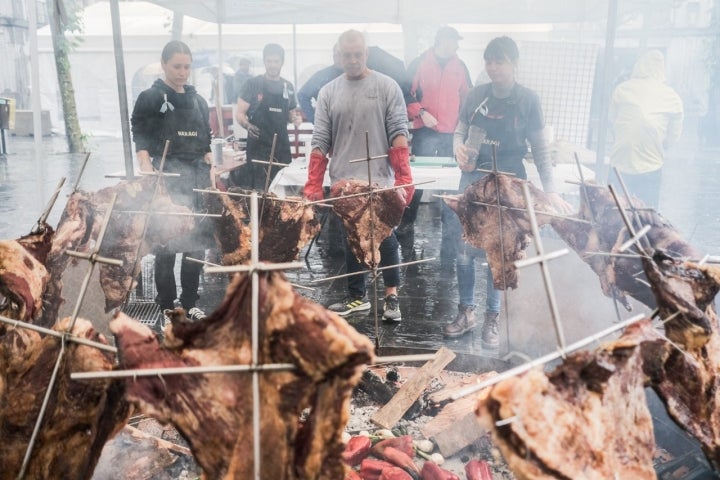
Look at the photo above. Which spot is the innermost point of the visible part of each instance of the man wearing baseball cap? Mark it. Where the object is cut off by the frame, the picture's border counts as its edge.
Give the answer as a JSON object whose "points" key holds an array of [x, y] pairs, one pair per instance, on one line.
{"points": [[440, 82]]}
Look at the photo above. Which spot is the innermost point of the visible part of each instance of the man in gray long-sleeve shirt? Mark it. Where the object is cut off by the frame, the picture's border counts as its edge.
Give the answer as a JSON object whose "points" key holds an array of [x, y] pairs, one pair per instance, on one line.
{"points": [[360, 101]]}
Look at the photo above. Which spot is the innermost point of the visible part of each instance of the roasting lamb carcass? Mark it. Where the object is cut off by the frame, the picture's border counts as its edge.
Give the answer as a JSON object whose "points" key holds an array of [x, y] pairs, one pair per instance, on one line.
{"points": [[23, 276], [606, 232], [214, 411], [285, 227], [80, 417], [505, 235], [593, 407], [80, 225], [368, 219]]}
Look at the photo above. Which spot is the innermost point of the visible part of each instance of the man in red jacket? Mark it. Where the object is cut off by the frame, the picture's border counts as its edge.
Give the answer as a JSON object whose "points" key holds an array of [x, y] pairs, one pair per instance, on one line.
{"points": [[440, 82]]}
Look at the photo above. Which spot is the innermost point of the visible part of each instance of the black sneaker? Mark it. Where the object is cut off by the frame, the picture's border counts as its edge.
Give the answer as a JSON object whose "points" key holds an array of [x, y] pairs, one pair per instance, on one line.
{"points": [[349, 305], [195, 314], [392, 308]]}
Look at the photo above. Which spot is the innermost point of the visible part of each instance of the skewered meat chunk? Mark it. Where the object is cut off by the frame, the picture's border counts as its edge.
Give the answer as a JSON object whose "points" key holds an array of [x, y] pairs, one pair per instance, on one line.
{"points": [[619, 275], [586, 419], [214, 411], [80, 416], [285, 227], [23, 276], [504, 235], [368, 219], [80, 225]]}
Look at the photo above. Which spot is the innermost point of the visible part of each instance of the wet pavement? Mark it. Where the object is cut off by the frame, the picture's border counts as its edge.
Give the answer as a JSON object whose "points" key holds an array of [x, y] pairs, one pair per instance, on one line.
{"points": [[428, 295]]}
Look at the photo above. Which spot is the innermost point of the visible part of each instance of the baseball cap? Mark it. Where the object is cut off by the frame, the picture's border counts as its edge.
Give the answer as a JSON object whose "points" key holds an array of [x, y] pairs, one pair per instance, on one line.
{"points": [[447, 33]]}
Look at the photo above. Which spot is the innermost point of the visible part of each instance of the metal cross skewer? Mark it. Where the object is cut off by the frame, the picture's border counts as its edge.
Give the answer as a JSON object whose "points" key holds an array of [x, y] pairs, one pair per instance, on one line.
{"points": [[628, 224], [345, 275], [633, 209], [93, 258], [285, 265], [82, 171], [514, 209], [542, 259], [513, 372], [39, 226], [55, 333]]}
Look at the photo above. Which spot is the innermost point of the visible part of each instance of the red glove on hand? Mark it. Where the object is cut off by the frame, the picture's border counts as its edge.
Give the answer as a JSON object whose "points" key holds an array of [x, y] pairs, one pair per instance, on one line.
{"points": [[400, 163], [313, 190]]}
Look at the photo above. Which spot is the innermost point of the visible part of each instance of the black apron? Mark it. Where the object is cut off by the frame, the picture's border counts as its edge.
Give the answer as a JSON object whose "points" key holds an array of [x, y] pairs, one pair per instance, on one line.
{"points": [[185, 129], [270, 115], [505, 128]]}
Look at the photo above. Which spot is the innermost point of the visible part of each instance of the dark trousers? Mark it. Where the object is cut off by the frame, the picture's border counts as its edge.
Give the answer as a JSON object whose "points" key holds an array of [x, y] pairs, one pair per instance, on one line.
{"points": [[645, 186], [389, 255], [193, 174], [427, 142], [189, 279]]}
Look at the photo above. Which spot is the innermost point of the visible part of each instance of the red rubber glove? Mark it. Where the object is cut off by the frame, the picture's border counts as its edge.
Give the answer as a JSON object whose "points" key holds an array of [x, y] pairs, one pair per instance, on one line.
{"points": [[400, 163], [313, 190]]}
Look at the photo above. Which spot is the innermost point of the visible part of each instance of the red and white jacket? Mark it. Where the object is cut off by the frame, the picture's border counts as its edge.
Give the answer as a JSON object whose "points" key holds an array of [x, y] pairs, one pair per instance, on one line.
{"points": [[439, 90]]}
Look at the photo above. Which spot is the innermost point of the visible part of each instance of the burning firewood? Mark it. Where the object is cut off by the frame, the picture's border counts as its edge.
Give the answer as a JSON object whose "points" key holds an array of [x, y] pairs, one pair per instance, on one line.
{"points": [[504, 235], [365, 225], [80, 417], [214, 411]]}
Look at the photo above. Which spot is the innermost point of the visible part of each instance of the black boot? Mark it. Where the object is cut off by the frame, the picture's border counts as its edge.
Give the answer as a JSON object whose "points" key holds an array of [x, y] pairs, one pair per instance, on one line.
{"points": [[463, 323], [490, 337]]}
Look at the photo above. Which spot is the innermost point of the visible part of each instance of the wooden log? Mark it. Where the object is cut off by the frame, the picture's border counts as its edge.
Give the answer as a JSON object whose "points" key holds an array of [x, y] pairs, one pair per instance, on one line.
{"points": [[411, 390], [456, 426]]}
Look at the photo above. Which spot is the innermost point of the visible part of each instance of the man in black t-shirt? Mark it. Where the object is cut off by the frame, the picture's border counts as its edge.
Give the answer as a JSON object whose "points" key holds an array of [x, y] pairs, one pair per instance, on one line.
{"points": [[265, 106]]}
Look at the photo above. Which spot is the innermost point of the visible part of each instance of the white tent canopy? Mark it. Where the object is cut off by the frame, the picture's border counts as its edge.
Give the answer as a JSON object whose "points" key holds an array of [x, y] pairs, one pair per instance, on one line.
{"points": [[393, 11]]}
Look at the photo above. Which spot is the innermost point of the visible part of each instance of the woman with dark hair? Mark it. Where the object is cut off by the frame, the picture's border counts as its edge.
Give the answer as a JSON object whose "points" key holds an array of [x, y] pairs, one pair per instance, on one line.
{"points": [[508, 115], [172, 110]]}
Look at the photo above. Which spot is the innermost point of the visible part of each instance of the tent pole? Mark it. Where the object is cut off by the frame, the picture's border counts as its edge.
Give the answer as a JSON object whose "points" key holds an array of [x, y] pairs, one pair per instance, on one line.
{"points": [[35, 99], [606, 92], [122, 88], [295, 69]]}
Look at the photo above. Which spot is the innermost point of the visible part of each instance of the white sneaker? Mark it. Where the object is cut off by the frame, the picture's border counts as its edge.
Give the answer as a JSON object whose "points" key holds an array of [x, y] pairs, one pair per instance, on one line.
{"points": [[195, 314]]}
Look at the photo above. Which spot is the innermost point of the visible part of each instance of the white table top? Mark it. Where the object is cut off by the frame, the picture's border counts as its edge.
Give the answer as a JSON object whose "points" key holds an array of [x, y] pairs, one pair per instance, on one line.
{"points": [[441, 178]]}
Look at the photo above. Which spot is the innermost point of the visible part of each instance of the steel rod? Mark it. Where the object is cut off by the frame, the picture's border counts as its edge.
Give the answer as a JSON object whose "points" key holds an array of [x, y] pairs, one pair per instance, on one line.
{"points": [[513, 372], [344, 275], [176, 214], [634, 239], [204, 262], [374, 190], [376, 157], [517, 209], [82, 171], [152, 372], [94, 257], [55, 333], [263, 267], [51, 203], [534, 260], [547, 282], [255, 332], [211, 369]]}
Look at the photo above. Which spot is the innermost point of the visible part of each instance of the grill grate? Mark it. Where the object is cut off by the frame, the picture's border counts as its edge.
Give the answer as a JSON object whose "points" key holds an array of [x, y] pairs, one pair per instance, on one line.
{"points": [[141, 302], [562, 74]]}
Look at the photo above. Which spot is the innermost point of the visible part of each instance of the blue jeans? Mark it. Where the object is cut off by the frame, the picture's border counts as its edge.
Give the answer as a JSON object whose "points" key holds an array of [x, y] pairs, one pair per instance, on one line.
{"points": [[389, 255], [465, 267]]}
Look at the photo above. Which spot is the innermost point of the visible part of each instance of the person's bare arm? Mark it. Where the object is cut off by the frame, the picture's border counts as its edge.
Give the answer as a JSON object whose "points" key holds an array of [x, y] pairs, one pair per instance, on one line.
{"points": [[243, 120]]}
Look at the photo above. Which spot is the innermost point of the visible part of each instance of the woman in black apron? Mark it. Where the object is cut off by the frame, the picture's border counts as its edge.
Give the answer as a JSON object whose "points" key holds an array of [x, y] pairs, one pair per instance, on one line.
{"points": [[171, 110], [265, 106], [507, 116]]}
